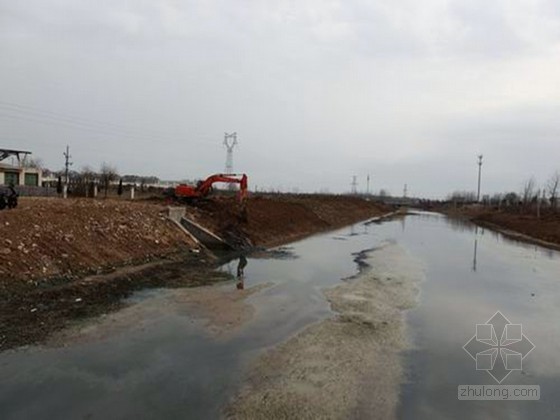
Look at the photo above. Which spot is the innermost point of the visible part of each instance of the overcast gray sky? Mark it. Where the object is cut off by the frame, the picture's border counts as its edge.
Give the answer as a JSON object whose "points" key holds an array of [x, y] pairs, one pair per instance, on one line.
{"points": [[408, 91]]}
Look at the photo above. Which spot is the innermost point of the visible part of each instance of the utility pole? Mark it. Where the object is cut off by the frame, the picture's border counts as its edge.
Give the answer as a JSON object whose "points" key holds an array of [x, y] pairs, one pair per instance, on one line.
{"points": [[67, 165], [354, 185], [479, 173], [230, 141], [367, 190]]}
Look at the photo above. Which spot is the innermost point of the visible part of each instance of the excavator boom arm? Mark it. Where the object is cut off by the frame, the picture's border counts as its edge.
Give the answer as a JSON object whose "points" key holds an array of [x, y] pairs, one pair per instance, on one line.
{"points": [[204, 187]]}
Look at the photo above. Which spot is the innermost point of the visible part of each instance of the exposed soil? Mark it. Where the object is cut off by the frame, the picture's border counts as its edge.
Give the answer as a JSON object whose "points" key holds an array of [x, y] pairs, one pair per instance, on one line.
{"points": [[545, 229], [46, 237], [277, 219], [345, 367], [67, 259]]}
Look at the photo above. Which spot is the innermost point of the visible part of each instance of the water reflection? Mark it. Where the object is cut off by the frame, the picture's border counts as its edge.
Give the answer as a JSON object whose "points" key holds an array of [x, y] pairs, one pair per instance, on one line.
{"points": [[241, 272], [463, 289], [460, 225], [475, 248]]}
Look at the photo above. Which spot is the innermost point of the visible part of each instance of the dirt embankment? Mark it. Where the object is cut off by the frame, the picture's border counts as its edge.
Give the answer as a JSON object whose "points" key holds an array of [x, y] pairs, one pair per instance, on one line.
{"points": [[277, 219], [345, 367], [53, 237], [43, 238], [544, 230]]}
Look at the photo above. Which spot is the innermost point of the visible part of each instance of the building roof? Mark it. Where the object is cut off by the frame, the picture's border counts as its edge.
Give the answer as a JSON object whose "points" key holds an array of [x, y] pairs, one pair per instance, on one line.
{"points": [[6, 153]]}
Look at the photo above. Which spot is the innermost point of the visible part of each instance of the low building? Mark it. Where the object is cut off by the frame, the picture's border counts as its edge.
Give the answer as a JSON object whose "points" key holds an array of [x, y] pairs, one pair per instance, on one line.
{"points": [[18, 173]]}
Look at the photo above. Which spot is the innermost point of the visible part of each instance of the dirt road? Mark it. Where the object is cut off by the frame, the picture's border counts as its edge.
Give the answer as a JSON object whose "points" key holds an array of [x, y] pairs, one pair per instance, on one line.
{"points": [[345, 367]]}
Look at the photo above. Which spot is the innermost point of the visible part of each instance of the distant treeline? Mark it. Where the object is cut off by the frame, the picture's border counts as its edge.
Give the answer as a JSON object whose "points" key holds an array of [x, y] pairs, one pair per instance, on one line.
{"points": [[83, 182], [532, 197]]}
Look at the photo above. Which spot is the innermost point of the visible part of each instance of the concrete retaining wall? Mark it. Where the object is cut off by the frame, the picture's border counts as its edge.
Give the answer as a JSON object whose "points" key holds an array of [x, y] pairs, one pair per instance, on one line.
{"points": [[200, 233]]}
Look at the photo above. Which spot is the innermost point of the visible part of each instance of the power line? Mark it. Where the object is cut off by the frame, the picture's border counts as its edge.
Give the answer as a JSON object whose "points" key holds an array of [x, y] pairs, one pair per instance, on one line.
{"points": [[43, 117], [14, 107], [23, 109], [99, 131]]}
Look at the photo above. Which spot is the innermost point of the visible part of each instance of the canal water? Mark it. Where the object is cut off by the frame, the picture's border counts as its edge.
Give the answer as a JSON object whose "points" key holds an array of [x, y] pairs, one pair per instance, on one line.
{"points": [[472, 273], [172, 368]]}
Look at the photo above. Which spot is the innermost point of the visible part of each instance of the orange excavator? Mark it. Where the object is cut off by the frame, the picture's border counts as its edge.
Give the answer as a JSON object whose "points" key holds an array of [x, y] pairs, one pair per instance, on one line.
{"points": [[184, 192]]}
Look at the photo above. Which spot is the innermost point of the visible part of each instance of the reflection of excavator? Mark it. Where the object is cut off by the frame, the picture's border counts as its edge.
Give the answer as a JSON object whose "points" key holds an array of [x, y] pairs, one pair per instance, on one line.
{"points": [[185, 192]]}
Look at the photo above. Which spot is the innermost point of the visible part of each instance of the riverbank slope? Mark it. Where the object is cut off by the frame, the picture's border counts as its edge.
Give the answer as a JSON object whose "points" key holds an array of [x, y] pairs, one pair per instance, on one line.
{"points": [[543, 230]]}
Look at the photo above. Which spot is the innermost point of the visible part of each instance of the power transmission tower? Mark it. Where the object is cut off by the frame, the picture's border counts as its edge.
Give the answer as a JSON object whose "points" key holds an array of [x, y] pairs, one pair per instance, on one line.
{"points": [[405, 190], [67, 163], [479, 173], [230, 141], [354, 185]]}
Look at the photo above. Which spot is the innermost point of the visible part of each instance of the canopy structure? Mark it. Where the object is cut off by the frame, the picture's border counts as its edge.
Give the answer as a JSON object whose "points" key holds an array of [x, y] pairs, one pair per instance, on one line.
{"points": [[19, 154]]}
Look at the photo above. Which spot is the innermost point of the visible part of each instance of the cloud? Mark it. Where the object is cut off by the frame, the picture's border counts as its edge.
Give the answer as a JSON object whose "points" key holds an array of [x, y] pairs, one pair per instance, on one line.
{"points": [[318, 91]]}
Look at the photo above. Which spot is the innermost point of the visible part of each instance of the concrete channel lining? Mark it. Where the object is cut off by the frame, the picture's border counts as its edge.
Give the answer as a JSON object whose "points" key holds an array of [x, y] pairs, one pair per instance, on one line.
{"points": [[200, 234]]}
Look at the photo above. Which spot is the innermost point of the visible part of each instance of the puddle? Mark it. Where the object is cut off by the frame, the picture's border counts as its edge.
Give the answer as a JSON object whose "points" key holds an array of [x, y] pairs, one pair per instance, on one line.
{"points": [[164, 364]]}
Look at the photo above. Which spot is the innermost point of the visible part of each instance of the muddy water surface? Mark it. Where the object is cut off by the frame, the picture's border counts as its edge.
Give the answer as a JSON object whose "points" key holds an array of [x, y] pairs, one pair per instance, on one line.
{"points": [[471, 274], [158, 358]]}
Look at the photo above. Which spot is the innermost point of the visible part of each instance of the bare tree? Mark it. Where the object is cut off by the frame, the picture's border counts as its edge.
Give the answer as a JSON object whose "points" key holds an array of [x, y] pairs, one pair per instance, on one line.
{"points": [[88, 175], [33, 163], [86, 180], [528, 192], [462, 197], [107, 174], [384, 193], [496, 199], [511, 199], [552, 187]]}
